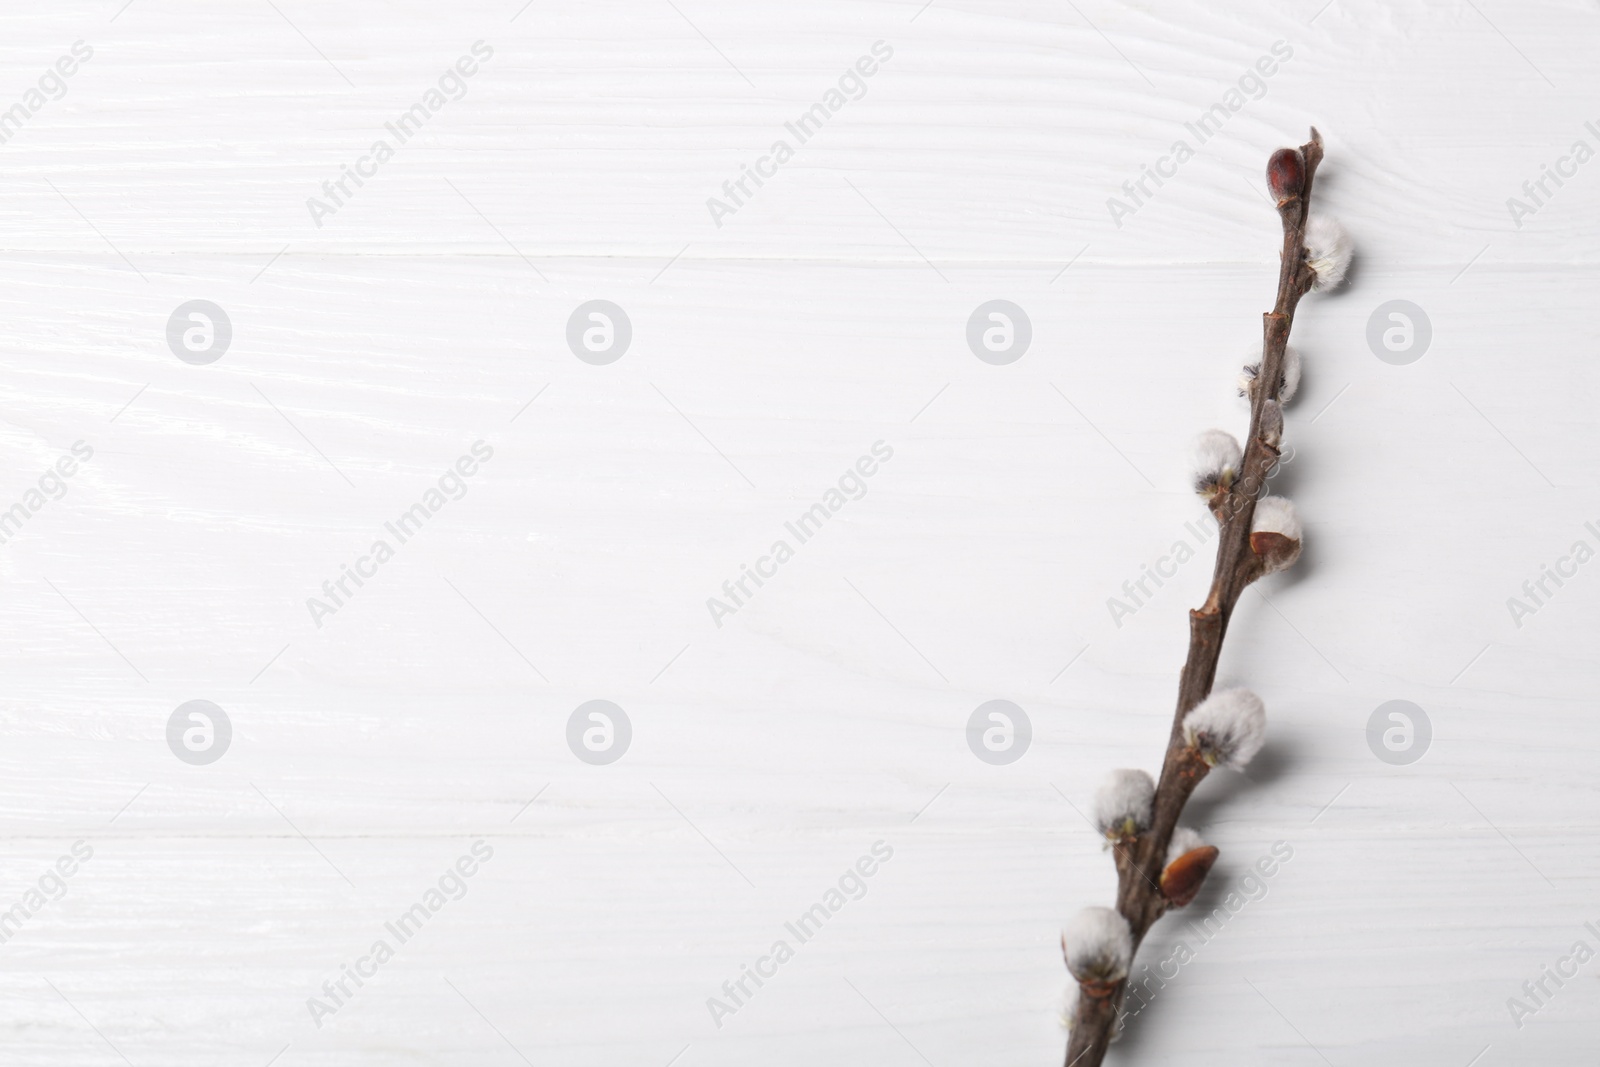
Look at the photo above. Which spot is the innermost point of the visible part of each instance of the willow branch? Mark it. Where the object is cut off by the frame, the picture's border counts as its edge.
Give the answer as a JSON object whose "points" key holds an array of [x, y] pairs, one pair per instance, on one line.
{"points": [[1140, 859]]}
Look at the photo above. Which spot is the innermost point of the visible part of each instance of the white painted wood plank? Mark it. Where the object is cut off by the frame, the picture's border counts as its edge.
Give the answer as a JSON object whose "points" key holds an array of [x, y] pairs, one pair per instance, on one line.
{"points": [[826, 314]]}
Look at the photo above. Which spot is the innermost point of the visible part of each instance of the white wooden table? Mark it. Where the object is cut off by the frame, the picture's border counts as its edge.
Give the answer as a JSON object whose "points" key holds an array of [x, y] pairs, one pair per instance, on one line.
{"points": [[776, 339]]}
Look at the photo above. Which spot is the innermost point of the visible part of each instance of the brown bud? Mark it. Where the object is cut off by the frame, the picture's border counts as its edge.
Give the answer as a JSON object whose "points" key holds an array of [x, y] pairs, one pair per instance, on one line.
{"points": [[1184, 876], [1286, 173], [1278, 551]]}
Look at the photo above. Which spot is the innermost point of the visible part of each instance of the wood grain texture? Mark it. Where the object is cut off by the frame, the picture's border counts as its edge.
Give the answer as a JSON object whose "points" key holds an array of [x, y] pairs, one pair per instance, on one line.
{"points": [[768, 354]]}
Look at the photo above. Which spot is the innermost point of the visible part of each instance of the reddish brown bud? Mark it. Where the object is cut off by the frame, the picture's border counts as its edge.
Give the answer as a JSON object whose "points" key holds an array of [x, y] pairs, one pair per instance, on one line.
{"points": [[1276, 550], [1286, 173], [1184, 876]]}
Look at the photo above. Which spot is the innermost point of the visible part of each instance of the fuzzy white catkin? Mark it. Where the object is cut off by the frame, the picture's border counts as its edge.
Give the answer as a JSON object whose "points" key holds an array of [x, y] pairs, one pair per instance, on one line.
{"points": [[1328, 250], [1125, 797], [1289, 380], [1184, 841], [1276, 514], [1215, 456], [1228, 727], [1098, 944]]}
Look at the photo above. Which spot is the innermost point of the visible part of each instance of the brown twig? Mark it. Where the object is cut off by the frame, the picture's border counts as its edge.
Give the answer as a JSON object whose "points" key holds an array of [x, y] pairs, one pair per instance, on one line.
{"points": [[1141, 859]]}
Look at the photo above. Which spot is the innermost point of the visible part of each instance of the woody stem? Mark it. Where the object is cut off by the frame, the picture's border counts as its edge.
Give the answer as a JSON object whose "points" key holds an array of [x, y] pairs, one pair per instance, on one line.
{"points": [[1141, 860]]}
